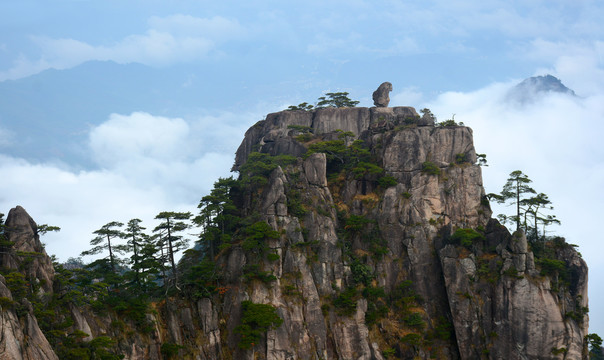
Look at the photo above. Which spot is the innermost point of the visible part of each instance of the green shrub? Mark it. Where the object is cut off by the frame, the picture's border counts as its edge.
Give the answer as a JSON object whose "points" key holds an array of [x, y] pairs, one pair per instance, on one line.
{"points": [[256, 319], [560, 351], [443, 329], [361, 273], [346, 302], [294, 203], [306, 137], [513, 273], [169, 350], [6, 302], [466, 237], [375, 311], [364, 169], [415, 320], [259, 166], [300, 128], [412, 339], [302, 106], [257, 236], [387, 181], [253, 272], [356, 224], [551, 267], [387, 353], [462, 158], [430, 168]]}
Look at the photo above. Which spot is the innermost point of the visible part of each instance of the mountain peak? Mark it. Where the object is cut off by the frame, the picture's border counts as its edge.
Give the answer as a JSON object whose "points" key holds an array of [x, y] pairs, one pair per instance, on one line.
{"points": [[534, 87]]}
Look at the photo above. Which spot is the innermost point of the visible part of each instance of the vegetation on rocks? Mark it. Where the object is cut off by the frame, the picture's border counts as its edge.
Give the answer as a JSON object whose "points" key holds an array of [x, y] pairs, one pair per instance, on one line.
{"points": [[287, 255]]}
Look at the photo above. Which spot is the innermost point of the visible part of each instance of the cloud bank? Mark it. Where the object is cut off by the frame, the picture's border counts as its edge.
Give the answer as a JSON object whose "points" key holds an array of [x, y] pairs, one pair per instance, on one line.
{"points": [[146, 164], [168, 40]]}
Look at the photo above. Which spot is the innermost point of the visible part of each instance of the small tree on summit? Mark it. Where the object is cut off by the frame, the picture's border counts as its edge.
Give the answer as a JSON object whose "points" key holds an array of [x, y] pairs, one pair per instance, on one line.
{"points": [[338, 100]]}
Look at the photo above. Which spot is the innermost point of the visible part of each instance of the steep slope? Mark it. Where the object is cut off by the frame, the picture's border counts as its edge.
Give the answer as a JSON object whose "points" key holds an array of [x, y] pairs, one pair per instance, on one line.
{"points": [[365, 233], [489, 290]]}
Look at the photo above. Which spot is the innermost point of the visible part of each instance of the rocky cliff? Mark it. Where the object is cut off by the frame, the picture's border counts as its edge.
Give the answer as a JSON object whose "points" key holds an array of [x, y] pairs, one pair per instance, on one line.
{"points": [[380, 245]]}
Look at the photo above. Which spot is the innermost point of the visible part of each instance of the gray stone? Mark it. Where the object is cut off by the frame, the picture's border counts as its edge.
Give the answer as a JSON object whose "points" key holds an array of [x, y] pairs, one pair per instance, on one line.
{"points": [[381, 96], [22, 230], [519, 244]]}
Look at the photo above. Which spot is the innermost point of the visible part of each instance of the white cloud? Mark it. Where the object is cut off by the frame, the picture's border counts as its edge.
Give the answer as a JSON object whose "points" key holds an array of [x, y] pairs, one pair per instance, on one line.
{"points": [[123, 138], [169, 40], [149, 164]]}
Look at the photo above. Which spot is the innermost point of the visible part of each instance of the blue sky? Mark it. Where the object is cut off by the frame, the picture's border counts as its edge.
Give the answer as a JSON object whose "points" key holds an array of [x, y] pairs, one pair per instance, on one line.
{"points": [[118, 109]]}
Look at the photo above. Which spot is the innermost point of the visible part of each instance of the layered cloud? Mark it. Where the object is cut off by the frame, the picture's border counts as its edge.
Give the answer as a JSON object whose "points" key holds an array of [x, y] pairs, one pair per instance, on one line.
{"points": [[147, 164], [168, 40]]}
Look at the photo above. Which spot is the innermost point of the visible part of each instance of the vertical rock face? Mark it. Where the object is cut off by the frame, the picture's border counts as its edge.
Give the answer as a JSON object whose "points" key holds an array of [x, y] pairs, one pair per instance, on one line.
{"points": [[385, 248], [490, 294]]}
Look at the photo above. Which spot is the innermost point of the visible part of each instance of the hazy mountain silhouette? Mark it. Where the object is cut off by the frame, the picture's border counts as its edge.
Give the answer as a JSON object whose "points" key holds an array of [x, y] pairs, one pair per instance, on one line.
{"points": [[533, 88]]}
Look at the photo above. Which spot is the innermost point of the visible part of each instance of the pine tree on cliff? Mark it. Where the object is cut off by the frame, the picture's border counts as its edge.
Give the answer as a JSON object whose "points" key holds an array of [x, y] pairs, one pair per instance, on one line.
{"points": [[217, 215], [138, 243], [102, 242], [528, 208], [171, 225], [515, 189], [535, 207]]}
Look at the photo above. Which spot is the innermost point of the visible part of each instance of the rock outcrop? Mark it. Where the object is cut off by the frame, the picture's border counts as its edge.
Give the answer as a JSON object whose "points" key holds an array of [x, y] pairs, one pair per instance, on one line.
{"points": [[381, 96], [27, 251], [383, 247], [492, 294]]}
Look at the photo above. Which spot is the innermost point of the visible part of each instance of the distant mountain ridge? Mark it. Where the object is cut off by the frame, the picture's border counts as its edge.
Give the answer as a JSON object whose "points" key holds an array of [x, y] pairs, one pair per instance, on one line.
{"points": [[532, 88]]}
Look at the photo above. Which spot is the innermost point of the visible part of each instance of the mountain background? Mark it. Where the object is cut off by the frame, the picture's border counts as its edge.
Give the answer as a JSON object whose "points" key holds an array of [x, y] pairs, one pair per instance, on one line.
{"points": [[116, 110]]}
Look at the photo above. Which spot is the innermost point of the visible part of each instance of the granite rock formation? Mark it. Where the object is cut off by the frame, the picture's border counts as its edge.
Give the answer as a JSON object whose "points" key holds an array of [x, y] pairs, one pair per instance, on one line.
{"points": [[370, 263], [381, 96]]}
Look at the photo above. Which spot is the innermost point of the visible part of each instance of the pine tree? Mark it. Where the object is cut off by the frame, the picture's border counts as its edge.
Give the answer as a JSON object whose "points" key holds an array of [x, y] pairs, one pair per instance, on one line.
{"points": [[217, 215], [337, 99], [102, 242], [138, 244], [514, 191], [172, 224]]}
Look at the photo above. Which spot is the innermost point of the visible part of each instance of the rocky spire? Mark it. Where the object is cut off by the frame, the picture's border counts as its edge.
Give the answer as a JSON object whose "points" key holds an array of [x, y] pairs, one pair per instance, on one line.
{"points": [[22, 231], [381, 96]]}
